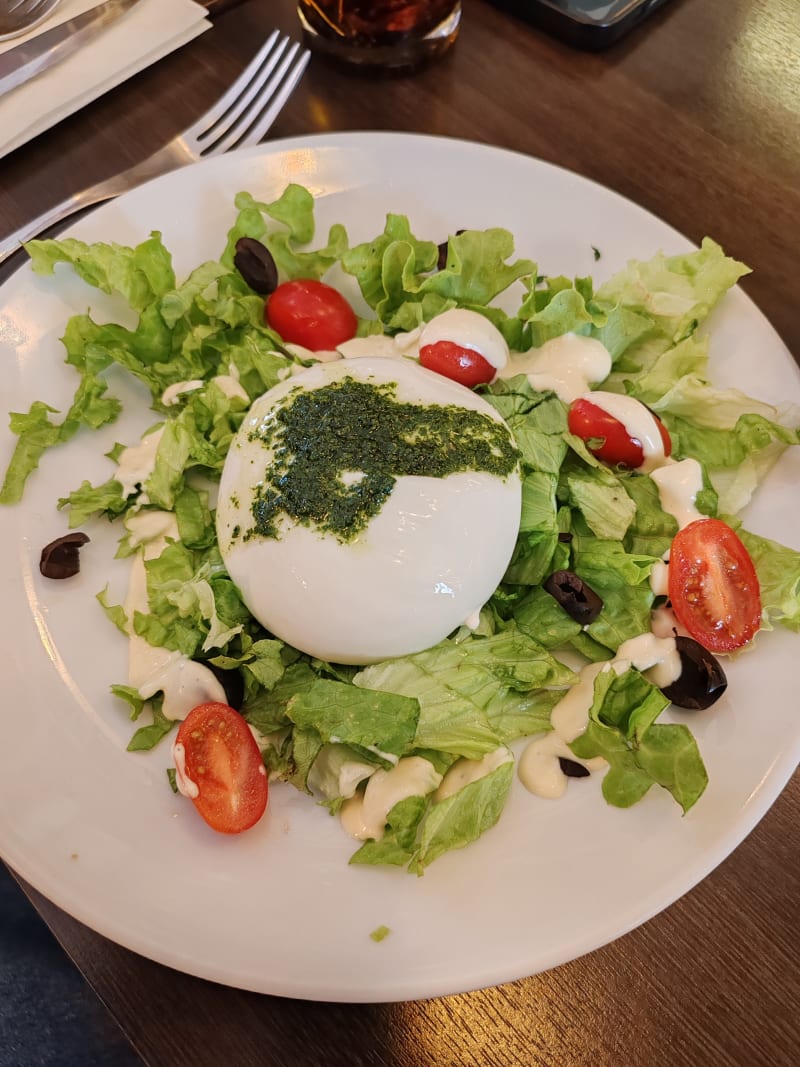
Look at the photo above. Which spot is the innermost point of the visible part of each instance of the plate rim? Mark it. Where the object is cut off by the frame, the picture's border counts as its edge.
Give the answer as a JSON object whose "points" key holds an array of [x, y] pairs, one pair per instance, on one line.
{"points": [[759, 804]]}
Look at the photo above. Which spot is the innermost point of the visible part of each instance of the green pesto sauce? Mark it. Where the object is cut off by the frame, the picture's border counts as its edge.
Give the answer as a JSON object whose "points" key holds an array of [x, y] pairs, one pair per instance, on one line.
{"points": [[339, 450]]}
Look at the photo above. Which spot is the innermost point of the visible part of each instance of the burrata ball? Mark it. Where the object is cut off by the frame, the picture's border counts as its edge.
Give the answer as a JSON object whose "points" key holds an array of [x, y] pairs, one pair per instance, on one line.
{"points": [[368, 508]]}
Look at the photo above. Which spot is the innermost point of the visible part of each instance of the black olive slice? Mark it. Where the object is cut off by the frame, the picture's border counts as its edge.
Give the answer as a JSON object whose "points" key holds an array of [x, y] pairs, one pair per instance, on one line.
{"points": [[578, 599], [572, 769], [60, 558], [702, 680], [255, 264]]}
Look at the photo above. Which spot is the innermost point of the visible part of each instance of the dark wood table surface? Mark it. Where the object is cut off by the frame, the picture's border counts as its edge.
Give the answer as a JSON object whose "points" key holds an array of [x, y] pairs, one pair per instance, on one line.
{"points": [[696, 116]]}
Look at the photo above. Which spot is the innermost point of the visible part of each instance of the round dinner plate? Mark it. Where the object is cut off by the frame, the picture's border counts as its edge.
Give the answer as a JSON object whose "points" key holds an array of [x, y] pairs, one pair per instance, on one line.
{"points": [[278, 910]]}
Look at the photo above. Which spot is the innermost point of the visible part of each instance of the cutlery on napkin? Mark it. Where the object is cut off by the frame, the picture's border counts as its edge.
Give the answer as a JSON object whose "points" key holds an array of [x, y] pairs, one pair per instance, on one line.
{"points": [[29, 59], [149, 31]]}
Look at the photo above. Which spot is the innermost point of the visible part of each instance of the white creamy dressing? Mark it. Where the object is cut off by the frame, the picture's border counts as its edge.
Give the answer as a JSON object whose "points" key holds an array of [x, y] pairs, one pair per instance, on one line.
{"points": [[230, 387], [151, 669], [678, 483], [466, 771], [364, 815], [469, 329], [639, 422], [186, 787], [136, 463], [377, 345], [174, 392], [150, 530], [659, 578], [539, 770], [570, 717], [226, 382], [656, 657], [567, 365]]}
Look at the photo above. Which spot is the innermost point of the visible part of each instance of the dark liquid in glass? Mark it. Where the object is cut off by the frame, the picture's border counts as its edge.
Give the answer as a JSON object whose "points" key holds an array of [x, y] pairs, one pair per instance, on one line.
{"points": [[375, 24]]}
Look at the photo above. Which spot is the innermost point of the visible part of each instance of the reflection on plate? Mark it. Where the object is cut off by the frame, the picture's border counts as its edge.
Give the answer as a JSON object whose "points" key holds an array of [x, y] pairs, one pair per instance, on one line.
{"points": [[279, 910]]}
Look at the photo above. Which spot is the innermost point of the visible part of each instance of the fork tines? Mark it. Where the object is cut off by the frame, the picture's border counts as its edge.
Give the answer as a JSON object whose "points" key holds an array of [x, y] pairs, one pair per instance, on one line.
{"points": [[244, 114], [18, 17]]}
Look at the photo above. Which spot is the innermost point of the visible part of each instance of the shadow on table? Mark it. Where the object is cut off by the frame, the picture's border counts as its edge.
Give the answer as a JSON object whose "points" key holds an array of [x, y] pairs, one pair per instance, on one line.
{"points": [[49, 1017]]}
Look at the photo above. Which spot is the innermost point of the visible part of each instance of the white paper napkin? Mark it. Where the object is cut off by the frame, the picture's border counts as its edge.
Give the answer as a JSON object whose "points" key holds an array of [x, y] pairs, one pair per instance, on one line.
{"points": [[150, 30]]}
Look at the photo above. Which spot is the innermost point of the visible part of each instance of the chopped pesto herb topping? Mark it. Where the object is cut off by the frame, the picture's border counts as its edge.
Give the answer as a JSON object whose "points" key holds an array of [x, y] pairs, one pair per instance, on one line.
{"points": [[337, 452]]}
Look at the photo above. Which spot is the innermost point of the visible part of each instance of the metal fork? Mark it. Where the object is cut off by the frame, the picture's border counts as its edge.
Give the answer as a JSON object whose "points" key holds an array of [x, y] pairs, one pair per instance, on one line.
{"points": [[240, 118], [20, 16]]}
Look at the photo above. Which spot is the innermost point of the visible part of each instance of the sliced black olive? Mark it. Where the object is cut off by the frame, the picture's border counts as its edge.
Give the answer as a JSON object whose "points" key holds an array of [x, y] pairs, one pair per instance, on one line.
{"points": [[702, 680], [579, 601], [255, 264], [232, 683], [572, 769], [60, 558], [442, 261], [565, 538]]}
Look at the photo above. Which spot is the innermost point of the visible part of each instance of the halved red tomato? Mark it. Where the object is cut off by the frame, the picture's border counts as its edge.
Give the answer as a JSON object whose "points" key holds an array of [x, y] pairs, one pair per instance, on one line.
{"points": [[713, 586], [590, 422], [222, 760], [463, 365], [310, 313]]}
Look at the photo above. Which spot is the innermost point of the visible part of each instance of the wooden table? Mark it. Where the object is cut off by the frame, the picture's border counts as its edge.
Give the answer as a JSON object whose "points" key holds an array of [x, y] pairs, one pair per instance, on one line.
{"points": [[696, 117]]}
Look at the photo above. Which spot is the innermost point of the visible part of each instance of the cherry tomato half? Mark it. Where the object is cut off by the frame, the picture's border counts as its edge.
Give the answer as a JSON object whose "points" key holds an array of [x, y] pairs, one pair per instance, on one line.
{"points": [[587, 421], [310, 313], [713, 585], [223, 761], [463, 365]]}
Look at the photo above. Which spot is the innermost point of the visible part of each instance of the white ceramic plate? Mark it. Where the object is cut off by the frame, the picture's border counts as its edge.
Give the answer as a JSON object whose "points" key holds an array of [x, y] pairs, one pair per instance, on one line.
{"points": [[278, 910]]}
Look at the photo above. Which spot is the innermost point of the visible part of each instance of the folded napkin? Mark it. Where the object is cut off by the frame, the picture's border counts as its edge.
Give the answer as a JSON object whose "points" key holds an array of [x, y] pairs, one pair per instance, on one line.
{"points": [[149, 30]]}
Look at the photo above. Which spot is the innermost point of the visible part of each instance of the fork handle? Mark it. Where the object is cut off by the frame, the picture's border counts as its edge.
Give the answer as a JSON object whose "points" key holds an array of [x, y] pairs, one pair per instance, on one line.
{"points": [[94, 195], [156, 164]]}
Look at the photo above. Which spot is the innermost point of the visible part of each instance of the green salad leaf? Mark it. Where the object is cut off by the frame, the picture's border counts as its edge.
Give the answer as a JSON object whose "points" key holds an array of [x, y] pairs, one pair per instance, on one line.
{"points": [[640, 752]]}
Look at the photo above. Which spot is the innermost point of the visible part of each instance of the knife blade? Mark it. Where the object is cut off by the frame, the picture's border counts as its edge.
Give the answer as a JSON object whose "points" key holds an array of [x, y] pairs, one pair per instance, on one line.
{"points": [[23, 62]]}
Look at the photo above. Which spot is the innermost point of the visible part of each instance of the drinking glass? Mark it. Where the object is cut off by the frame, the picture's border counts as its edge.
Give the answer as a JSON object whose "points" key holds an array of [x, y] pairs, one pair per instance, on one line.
{"points": [[380, 33]]}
